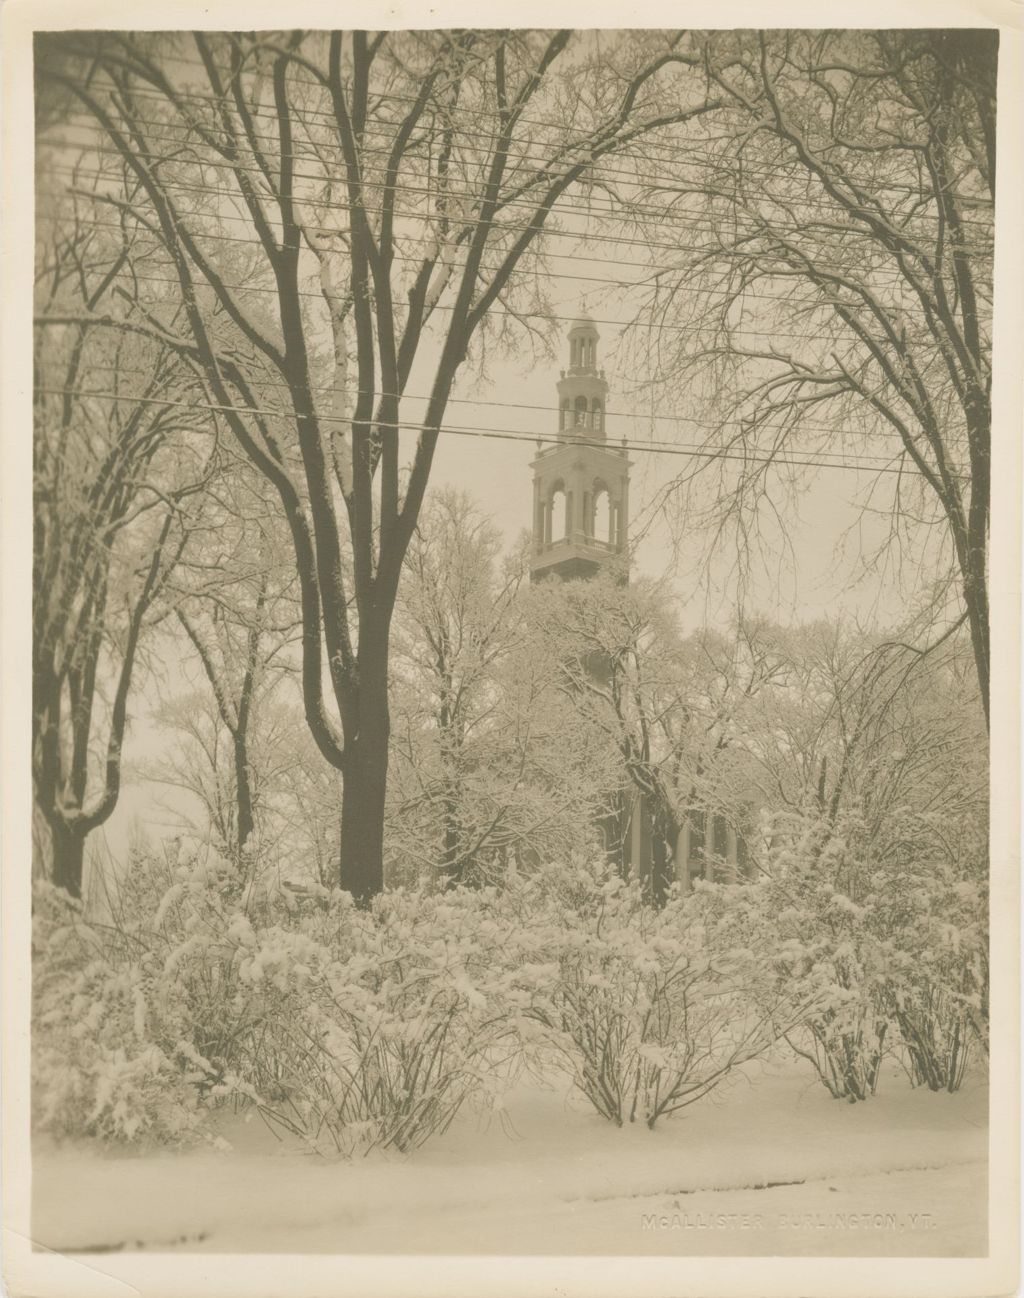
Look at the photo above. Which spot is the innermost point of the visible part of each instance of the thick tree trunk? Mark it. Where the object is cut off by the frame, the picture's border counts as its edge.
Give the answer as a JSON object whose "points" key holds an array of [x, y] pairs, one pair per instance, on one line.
{"points": [[243, 792], [976, 599], [664, 834], [365, 777], [68, 857]]}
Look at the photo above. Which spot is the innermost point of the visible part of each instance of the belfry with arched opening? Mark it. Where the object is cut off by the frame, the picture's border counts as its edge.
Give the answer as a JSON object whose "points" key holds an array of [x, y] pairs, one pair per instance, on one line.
{"points": [[580, 484]]}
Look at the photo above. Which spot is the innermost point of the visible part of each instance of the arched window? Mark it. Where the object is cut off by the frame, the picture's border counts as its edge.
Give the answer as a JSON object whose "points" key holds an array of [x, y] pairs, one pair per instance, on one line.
{"points": [[559, 515], [597, 416], [602, 516], [566, 415], [581, 412]]}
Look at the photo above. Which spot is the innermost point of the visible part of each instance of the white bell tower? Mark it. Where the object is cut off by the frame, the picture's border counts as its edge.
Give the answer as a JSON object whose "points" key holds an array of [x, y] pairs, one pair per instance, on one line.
{"points": [[581, 484]]}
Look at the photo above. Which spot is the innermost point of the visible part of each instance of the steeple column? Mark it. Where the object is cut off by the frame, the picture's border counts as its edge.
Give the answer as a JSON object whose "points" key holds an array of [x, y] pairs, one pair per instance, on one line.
{"points": [[621, 515], [582, 475]]}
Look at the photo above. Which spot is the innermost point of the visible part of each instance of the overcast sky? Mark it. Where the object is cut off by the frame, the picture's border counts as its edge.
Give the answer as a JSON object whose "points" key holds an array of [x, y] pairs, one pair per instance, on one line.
{"points": [[816, 580]]}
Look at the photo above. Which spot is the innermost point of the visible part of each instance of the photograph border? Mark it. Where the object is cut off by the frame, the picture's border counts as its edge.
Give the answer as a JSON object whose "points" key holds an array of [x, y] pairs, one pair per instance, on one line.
{"points": [[36, 1272]]}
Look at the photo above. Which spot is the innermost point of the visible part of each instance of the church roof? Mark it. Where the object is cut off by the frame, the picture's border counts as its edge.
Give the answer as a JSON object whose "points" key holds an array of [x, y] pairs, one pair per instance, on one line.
{"points": [[583, 322]]}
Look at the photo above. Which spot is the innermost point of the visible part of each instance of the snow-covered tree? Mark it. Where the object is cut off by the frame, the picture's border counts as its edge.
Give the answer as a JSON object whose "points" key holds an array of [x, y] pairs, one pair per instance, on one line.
{"points": [[235, 612], [490, 767], [832, 296], [672, 708], [119, 459], [872, 767]]}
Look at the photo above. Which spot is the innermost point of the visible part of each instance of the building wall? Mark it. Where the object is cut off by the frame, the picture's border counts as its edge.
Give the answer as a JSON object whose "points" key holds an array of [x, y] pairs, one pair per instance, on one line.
{"points": [[695, 856]]}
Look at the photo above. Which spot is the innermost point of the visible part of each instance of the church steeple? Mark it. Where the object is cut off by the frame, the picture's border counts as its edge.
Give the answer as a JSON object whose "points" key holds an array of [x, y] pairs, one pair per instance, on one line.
{"points": [[581, 484], [582, 390]]}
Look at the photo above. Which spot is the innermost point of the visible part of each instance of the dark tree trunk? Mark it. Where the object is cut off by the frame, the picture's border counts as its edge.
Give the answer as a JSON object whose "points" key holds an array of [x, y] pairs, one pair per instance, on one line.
{"points": [[68, 847], [53, 786], [976, 599], [243, 792], [365, 777], [664, 834]]}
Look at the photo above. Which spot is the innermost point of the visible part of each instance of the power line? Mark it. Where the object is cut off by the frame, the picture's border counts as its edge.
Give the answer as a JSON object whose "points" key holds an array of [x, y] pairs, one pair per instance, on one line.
{"points": [[508, 405], [601, 259], [586, 211], [688, 158], [540, 162], [735, 295], [476, 113], [225, 100], [498, 229], [506, 434], [560, 256], [768, 331]]}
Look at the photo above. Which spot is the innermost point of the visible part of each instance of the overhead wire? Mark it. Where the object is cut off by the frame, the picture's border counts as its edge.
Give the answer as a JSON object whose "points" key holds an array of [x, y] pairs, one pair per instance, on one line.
{"points": [[743, 294], [659, 326], [650, 270], [540, 163], [327, 390], [588, 211], [702, 452], [476, 113], [601, 259], [817, 200], [547, 231]]}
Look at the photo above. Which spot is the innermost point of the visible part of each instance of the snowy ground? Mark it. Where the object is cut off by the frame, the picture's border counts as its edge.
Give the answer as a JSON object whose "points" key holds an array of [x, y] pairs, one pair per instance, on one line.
{"points": [[772, 1167]]}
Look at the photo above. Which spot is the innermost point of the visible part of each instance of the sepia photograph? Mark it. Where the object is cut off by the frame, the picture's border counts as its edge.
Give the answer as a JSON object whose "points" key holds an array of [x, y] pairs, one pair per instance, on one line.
{"points": [[513, 720]]}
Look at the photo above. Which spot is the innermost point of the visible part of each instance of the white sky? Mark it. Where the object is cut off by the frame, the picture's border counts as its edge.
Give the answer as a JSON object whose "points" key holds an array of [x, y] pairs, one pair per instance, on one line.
{"points": [[497, 473]]}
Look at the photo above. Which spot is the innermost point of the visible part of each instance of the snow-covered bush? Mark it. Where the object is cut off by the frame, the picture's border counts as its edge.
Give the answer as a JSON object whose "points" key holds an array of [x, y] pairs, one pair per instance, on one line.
{"points": [[361, 1029], [937, 976], [378, 1025], [107, 1061], [648, 1009], [818, 898], [371, 1029], [888, 949]]}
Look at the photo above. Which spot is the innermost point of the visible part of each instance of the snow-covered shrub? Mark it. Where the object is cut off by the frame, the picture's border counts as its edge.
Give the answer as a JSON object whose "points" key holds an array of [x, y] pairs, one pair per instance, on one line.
{"points": [[107, 1061], [888, 947], [359, 1029], [649, 1009], [819, 898], [936, 985], [366, 1029], [378, 1028], [191, 912]]}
